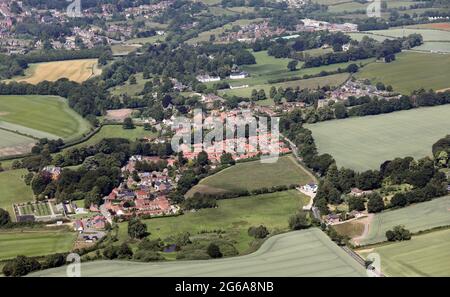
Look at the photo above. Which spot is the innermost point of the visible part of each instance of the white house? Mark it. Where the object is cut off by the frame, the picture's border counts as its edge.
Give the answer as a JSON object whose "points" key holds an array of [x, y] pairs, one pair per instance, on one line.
{"points": [[311, 187], [238, 75], [207, 78]]}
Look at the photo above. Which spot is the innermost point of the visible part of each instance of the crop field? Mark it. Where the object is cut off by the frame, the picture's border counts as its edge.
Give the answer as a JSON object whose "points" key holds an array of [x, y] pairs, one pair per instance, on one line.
{"points": [[13, 189], [427, 34], [38, 209], [410, 71], [354, 6], [300, 253], [424, 255], [14, 144], [435, 26], [255, 175], [41, 116], [75, 70], [351, 228], [233, 216], [364, 143], [34, 243], [415, 218], [435, 46]]}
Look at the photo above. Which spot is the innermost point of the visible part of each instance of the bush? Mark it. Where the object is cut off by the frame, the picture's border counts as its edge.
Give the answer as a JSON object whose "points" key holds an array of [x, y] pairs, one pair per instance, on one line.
{"points": [[4, 217], [299, 221], [213, 251], [258, 232], [20, 266], [398, 233], [147, 256]]}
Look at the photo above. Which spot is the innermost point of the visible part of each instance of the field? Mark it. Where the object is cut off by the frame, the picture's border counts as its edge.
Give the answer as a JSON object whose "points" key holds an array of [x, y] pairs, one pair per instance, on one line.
{"points": [[418, 217], [129, 89], [41, 116], [435, 26], [75, 70], [351, 228], [365, 142], [37, 209], [440, 47], [255, 175], [301, 253], [427, 34], [13, 189], [14, 144], [34, 243], [423, 255], [411, 71], [115, 131], [234, 216], [354, 6]]}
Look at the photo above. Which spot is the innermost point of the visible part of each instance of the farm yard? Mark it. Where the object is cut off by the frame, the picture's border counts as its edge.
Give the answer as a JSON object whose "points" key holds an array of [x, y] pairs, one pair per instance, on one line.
{"points": [[424, 255], [365, 142], [34, 242], [418, 217], [13, 189], [300, 253], [254, 175], [75, 70], [232, 216], [410, 71]]}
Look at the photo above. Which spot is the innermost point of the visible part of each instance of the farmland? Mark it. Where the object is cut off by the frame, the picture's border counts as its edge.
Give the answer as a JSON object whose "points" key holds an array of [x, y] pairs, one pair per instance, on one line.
{"points": [[410, 71], [14, 144], [255, 175], [75, 70], [427, 34], [423, 255], [365, 142], [233, 216], [13, 189], [34, 243], [41, 116], [417, 217], [300, 253]]}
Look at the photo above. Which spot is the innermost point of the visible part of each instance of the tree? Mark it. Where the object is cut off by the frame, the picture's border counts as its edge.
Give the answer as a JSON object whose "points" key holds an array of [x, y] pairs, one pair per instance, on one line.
{"points": [[213, 251], [273, 92], [292, 65], [4, 217], [258, 232], [137, 229], [132, 80], [128, 123], [227, 159], [375, 203], [299, 221], [356, 203], [20, 266], [124, 251], [202, 158], [340, 112], [398, 233], [352, 68]]}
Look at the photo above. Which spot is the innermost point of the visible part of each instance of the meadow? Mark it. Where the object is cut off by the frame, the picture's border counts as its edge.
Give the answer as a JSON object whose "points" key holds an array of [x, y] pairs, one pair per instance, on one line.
{"points": [[363, 143], [418, 217], [255, 175], [424, 255], [13, 189], [410, 71], [41, 116], [75, 70], [300, 253], [34, 243], [129, 89], [14, 144], [233, 216]]}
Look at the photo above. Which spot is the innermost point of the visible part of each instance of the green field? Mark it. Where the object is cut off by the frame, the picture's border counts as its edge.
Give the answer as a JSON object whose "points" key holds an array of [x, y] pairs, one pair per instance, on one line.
{"points": [[354, 6], [129, 89], [13, 189], [435, 46], [34, 243], [415, 218], [12, 143], [301, 253], [48, 116], [115, 131], [255, 175], [423, 255], [411, 71], [365, 142], [234, 216], [427, 34]]}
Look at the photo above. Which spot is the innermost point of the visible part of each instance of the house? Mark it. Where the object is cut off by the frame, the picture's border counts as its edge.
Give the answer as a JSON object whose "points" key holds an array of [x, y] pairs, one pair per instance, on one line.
{"points": [[311, 187], [207, 78], [333, 218], [78, 226], [358, 192], [238, 75]]}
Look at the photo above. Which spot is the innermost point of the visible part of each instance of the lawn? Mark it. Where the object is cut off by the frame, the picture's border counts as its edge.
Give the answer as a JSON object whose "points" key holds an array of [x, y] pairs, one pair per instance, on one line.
{"points": [[411, 71], [129, 89], [363, 143], [300, 253], [34, 243], [415, 218], [41, 116], [13, 189], [255, 175], [75, 70], [234, 216], [423, 255]]}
